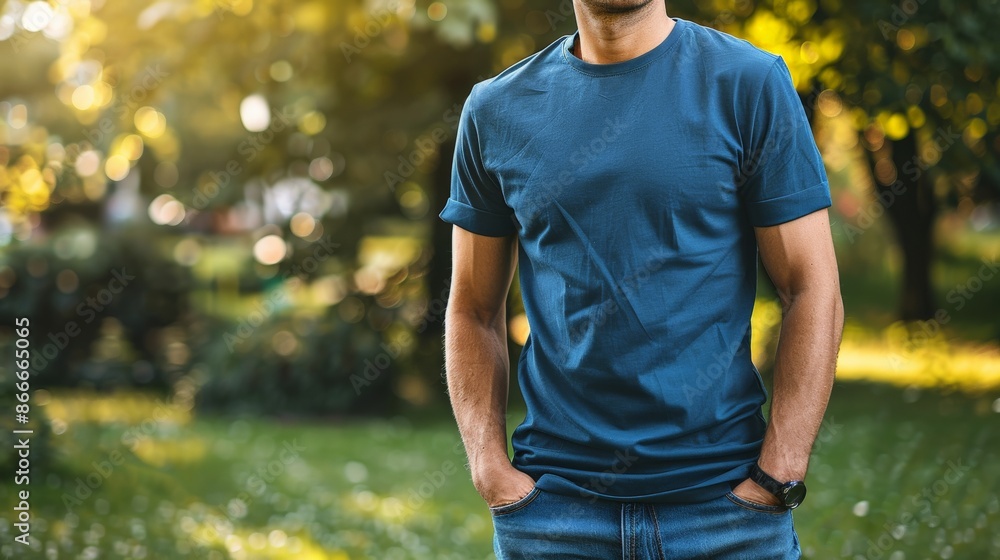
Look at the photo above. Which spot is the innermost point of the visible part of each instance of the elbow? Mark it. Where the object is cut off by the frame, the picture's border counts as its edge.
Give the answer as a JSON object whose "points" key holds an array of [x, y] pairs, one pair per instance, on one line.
{"points": [[825, 299]]}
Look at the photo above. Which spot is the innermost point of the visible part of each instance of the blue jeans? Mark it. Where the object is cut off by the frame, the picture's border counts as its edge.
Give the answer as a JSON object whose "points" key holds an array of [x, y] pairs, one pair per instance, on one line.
{"points": [[547, 526]]}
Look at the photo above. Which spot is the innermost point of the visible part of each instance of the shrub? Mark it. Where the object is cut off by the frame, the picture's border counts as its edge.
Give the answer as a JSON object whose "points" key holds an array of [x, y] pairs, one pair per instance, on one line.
{"points": [[295, 366]]}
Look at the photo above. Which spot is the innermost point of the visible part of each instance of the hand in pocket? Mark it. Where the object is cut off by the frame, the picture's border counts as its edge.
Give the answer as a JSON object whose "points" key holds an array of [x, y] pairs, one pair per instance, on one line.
{"points": [[504, 486]]}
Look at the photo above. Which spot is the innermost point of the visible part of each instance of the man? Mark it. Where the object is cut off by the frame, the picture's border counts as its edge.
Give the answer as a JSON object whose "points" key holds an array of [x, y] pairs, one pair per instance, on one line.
{"points": [[633, 170]]}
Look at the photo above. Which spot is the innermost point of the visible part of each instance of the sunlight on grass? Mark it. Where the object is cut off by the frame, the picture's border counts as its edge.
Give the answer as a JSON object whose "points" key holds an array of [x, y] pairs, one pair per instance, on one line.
{"points": [[265, 545], [905, 358], [159, 453], [901, 355], [388, 509], [134, 408], [764, 324], [372, 490]]}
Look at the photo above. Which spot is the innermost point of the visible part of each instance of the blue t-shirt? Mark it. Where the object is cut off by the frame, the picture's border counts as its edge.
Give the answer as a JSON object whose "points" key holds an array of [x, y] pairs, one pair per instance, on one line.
{"points": [[633, 189]]}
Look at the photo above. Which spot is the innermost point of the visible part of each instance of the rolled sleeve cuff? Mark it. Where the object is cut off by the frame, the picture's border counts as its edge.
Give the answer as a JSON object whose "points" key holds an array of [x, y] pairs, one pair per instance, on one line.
{"points": [[476, 220], [786, 208]]}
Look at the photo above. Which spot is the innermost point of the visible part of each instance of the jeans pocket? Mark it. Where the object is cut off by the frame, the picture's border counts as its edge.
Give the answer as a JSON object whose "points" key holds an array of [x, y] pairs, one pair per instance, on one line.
{"points": [[754, 506], [507, 509]]}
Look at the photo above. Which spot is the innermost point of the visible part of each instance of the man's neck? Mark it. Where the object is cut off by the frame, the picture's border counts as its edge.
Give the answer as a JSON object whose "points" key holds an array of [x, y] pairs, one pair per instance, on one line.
{"points": [[607, 38]]}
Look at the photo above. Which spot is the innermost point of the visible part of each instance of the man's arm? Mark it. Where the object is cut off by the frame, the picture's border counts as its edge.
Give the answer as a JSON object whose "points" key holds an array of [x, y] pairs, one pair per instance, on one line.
{"points": [[799, 258], [476, 362]]}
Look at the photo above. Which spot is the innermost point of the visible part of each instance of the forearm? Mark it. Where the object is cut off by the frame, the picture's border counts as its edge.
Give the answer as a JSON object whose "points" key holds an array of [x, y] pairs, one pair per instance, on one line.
{"points": [[477, 366], [804, 367]]}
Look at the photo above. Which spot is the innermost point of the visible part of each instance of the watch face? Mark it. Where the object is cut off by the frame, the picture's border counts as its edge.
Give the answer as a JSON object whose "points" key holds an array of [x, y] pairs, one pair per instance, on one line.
{"points": [[794, 493]]}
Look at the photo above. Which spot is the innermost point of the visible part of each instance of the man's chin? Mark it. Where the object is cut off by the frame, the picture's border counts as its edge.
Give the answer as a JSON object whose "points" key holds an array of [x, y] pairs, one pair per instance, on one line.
{"points": [[616, 7]]}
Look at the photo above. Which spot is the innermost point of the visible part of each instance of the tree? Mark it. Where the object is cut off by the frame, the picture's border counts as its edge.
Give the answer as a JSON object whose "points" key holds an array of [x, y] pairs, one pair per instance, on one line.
{"points": [[920, 81], [926, 75], [216, 104]]}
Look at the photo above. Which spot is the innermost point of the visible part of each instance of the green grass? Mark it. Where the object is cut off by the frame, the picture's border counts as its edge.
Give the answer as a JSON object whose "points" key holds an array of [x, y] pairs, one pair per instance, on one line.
{"points": [[397, 489]]}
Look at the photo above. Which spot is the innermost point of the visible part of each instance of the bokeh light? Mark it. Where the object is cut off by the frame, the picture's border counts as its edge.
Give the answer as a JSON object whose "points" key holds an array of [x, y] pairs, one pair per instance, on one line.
{"points": [[117, 167], [303, 224], [437, 11], [255, 113], [166, 210], [150, 122], [270, 249]]}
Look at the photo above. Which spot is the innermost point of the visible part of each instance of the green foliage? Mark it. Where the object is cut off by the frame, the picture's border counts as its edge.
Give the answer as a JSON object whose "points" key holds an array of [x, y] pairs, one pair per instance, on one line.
{"points": [[96, 301], [295, 366], [934, 64]]}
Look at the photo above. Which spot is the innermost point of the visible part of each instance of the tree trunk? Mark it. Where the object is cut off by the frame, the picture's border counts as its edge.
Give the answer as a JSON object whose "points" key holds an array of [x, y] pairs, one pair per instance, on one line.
{"points": [[457, 85], [428, 356], [911, 209], [439, 274]]}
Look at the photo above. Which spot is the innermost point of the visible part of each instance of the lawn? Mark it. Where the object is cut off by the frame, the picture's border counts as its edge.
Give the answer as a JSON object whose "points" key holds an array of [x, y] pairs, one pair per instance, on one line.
{"points": [[901, 470], [896, 474]]}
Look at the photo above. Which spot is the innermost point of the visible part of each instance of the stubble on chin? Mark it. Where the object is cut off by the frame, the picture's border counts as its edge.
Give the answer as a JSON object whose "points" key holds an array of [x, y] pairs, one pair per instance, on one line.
{"points": [[613, 8]]}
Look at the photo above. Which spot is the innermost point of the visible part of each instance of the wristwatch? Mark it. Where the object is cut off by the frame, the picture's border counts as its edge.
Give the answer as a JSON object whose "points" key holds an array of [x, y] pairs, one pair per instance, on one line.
{"points": [[790, 493]]}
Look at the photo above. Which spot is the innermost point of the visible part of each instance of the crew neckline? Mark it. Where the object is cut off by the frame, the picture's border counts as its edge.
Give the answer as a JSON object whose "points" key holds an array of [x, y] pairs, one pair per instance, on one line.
{"points": [[615, 68]]}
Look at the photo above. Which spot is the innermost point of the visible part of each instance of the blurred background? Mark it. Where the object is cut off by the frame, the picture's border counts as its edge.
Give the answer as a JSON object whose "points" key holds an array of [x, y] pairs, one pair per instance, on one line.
{"points": [[220, 218]]}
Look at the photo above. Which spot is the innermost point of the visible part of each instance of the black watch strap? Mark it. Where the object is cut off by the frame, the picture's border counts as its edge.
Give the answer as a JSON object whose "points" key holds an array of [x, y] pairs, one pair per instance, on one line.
{"points": [[790, 493], [766, 481]]}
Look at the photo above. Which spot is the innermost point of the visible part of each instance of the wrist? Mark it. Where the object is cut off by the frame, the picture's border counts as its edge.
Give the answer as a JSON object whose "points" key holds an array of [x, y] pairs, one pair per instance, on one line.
{"points": [[488, 468], [789, 492], [783, 471], [759, 494]]}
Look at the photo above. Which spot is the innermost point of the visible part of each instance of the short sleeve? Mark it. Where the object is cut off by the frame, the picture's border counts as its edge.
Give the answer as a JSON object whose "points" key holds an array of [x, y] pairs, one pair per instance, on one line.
{"points": [[782, 175], [476, 202]]}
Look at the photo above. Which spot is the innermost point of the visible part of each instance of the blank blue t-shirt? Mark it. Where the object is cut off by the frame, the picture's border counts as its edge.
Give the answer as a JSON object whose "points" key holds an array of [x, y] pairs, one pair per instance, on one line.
{"points": [[633, 189]]}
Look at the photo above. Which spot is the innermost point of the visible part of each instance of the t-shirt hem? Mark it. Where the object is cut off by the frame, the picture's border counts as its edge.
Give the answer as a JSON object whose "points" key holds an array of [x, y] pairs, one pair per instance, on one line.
{"points": [[700, 493]]}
